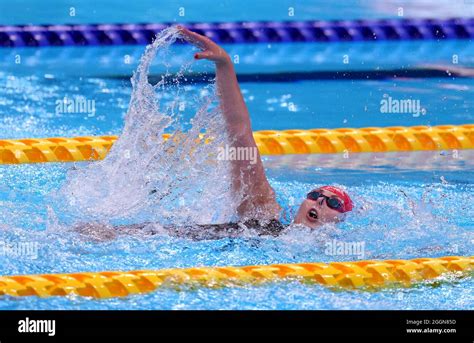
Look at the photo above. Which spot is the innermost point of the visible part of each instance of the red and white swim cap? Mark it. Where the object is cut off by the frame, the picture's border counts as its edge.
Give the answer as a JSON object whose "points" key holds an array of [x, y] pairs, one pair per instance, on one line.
{"points": [[348, 205]]}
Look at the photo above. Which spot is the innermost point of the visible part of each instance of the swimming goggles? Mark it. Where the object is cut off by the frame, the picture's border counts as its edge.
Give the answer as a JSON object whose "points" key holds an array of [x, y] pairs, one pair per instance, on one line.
{"points": [[333, 203]]}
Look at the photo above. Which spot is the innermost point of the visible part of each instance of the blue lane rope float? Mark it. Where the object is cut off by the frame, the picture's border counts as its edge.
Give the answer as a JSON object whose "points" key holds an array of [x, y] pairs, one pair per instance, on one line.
{"points": [[241, 32]]}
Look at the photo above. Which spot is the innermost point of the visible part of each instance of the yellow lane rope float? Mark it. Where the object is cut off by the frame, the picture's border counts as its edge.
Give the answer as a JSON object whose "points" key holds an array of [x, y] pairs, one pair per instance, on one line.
{"points": [[346, 275], [315, 141]]}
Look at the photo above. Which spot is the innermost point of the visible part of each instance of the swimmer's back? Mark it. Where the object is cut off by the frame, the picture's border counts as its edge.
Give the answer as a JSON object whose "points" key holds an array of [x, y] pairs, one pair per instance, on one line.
{"points": [[106, 232], [215, 231]]}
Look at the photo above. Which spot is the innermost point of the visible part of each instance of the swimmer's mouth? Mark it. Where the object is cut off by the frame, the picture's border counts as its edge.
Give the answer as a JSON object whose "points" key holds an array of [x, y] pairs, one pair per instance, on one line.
{"points": [[313, 215]]}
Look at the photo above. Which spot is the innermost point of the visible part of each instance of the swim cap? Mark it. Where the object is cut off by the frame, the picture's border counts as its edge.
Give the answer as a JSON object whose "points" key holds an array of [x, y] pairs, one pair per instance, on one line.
{"points": [[341, 194]]}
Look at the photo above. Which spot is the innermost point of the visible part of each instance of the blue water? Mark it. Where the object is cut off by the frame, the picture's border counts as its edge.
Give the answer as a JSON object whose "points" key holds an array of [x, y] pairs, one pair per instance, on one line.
{"points": [[388, 224], [286, 296], [117, 11], [121, 61], [28, 104], [435, 218]]}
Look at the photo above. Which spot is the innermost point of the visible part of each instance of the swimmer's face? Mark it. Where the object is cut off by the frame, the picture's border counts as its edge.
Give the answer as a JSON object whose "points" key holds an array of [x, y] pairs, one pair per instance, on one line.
{"points": [[313, 213]]}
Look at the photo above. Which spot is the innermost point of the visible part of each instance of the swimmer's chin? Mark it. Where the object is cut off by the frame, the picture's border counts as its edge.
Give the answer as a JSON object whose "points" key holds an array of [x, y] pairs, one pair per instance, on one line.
{"points": [[295, 225], [310, 219]]}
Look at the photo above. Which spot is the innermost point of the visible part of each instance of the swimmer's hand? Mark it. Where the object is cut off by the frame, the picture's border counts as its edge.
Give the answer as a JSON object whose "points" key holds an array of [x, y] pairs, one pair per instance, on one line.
{"points": [[210, 50]]}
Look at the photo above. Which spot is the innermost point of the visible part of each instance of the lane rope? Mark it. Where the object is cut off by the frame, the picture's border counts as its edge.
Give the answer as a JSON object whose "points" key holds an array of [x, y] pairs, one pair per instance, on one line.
{"points": [[269, 142], [241, 32], [344, 275]]}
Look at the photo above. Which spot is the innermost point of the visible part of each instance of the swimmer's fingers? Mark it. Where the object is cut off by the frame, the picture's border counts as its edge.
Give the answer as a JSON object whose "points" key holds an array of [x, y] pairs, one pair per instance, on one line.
{"points": [[210, 50], [200, 41]]}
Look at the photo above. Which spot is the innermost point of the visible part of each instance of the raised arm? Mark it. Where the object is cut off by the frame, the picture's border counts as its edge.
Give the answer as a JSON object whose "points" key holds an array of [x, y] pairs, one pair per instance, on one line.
{"points": [[248, 175]]}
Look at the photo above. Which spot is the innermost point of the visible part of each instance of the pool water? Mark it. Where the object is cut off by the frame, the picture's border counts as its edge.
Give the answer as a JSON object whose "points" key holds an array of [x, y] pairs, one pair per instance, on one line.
{"points": [[29, 95], [118, 11], [429, 222], [407, 205]]}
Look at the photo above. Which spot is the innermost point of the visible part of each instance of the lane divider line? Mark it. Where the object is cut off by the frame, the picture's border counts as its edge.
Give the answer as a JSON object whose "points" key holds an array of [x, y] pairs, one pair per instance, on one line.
{"points": [[370, 275], [241, 32], [269, 142]]}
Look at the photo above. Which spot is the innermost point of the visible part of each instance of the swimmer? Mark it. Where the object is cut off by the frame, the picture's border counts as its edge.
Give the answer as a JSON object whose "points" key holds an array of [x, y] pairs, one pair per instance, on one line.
{"points": [[259, 209], [322, 205]]}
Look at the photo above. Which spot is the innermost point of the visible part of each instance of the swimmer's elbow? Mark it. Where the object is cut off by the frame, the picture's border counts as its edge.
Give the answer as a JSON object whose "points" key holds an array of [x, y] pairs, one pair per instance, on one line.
{"points": [[240, 132]]}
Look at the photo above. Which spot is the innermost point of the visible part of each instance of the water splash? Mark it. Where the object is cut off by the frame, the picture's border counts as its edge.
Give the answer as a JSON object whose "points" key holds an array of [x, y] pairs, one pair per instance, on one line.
{"points": [[145, 177]]}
